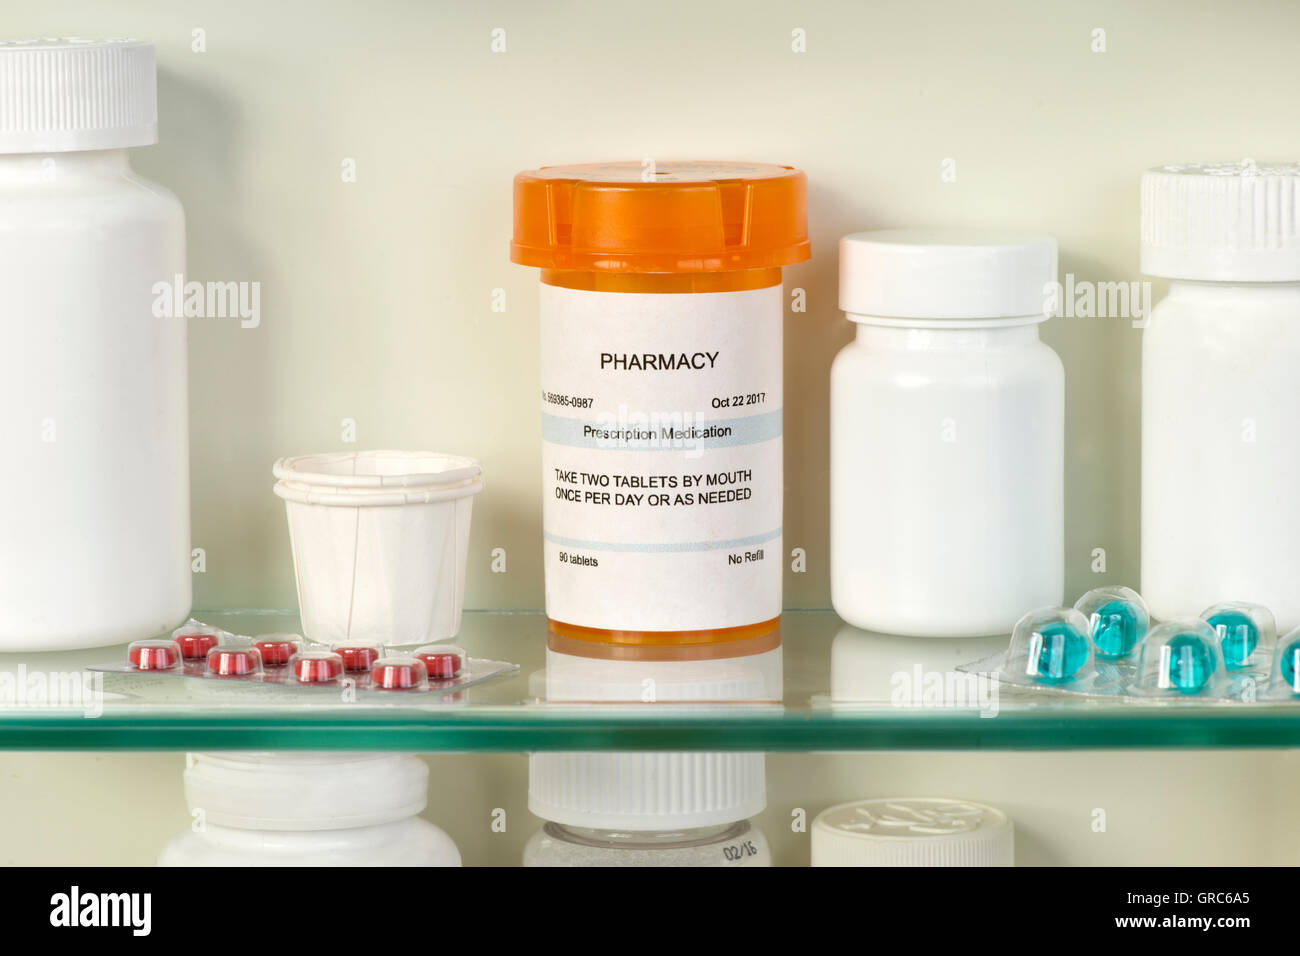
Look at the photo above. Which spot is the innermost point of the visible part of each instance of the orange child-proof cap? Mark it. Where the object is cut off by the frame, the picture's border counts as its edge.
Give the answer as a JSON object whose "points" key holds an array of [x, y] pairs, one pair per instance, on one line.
{"points": [[670, 217]]}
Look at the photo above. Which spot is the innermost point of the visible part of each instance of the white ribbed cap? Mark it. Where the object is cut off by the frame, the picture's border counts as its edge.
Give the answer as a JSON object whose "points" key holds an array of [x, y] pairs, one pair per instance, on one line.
{"points": [[62, 94], [946, 274], [646, 791], [913, 831], [1232, 222], [305, 791]]}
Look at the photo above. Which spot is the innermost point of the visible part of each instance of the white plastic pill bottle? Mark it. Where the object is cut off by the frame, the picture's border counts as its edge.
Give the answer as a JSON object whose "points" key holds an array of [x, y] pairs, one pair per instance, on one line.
{"points": [[1220, 389], [308, 809], [913, 831], [647, 809], [947, 434], [95, 489]]}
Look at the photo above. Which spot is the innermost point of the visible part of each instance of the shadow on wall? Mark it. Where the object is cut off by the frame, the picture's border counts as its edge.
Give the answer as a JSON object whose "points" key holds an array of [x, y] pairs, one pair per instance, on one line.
{"points": [[812, 339], [1102, 355], [231, 358]]}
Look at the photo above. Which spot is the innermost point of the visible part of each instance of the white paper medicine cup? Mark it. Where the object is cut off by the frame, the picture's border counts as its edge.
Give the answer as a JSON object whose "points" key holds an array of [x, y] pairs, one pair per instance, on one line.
{"points": [[380, 541]]}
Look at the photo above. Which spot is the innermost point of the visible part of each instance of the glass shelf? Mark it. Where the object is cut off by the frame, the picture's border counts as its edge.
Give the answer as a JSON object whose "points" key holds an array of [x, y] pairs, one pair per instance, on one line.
{"points": [[824, 677]]}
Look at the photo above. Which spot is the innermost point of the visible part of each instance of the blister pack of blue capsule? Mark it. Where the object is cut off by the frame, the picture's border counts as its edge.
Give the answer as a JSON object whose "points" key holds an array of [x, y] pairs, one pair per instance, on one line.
{"points": [[1284, 683], [1107, 646], [1225, 654]]}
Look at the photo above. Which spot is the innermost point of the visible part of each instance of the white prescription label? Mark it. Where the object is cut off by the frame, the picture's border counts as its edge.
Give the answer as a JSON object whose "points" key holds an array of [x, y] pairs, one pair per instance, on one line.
{"points": [[661, 457]]}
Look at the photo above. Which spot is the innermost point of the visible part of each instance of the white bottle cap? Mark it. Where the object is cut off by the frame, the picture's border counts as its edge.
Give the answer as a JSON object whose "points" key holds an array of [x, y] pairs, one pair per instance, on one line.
{"points": [[912, 831], [61, 94], [646, 791], [1231, 222], [305, 791], [946, 274]]}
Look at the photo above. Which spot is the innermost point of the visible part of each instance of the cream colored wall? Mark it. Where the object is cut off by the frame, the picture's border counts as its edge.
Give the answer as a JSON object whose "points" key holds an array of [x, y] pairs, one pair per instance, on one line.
{"points": [[376, 295]]}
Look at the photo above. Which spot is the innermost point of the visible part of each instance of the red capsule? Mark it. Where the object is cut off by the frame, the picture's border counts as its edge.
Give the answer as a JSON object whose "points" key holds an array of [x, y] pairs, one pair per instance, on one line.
{"points": [[234, 662], [316, 667], [195, 645], [276, 652], [443, 661], [154, 655], [399, 673], [357, 657]]}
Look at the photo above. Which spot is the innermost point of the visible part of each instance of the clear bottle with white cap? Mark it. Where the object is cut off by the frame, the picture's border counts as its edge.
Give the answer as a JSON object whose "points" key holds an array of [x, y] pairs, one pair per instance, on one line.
{"points": [[1220, 390], [308, 809], [913, 831], [93, 368], [647, 809], [947, 434], [653, 809]]}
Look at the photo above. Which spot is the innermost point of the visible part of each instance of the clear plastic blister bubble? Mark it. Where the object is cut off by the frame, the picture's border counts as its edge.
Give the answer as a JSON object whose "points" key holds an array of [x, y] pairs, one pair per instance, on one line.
{"points": [[196, 640], [1180, 660], [399, 672], [1246, 634], [442, 661], [159, 655], [358, 658], [318, 666], [277, 649], [1118, 619], [1284, 674], [1050, 648], [233, 660]]}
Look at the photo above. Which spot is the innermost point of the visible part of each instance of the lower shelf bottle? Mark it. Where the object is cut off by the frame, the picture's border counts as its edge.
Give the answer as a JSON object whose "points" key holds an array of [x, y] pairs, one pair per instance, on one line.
{"points": [[913, 831], [647, 809], [306, 809]]}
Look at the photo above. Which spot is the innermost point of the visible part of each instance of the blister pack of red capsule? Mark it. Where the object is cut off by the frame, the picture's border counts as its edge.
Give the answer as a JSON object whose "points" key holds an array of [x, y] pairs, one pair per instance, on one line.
{"points": [[196, 650]]}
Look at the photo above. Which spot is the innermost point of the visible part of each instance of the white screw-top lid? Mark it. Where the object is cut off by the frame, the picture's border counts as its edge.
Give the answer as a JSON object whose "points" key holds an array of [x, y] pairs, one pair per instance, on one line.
{"points": [[912, 831], [946, 274], [646, 791], [305, 791], [64, 94], [1235, 222]]}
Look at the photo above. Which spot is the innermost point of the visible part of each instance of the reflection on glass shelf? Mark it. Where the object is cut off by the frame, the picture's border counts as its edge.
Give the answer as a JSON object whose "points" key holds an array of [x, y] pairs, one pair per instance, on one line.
{"points": [[817, 685], [907, 672], [738, 672]]}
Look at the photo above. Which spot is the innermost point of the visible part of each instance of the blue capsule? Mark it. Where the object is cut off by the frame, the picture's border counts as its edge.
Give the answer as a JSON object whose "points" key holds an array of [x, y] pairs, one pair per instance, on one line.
{"points": [[1238, 636], [1290, 664], [1190, 663], [1062, 652], [1116, 628]]}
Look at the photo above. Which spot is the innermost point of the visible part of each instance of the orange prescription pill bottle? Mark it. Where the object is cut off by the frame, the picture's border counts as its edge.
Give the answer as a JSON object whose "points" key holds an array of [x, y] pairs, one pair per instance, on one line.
{"points": [[661, 366]]}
